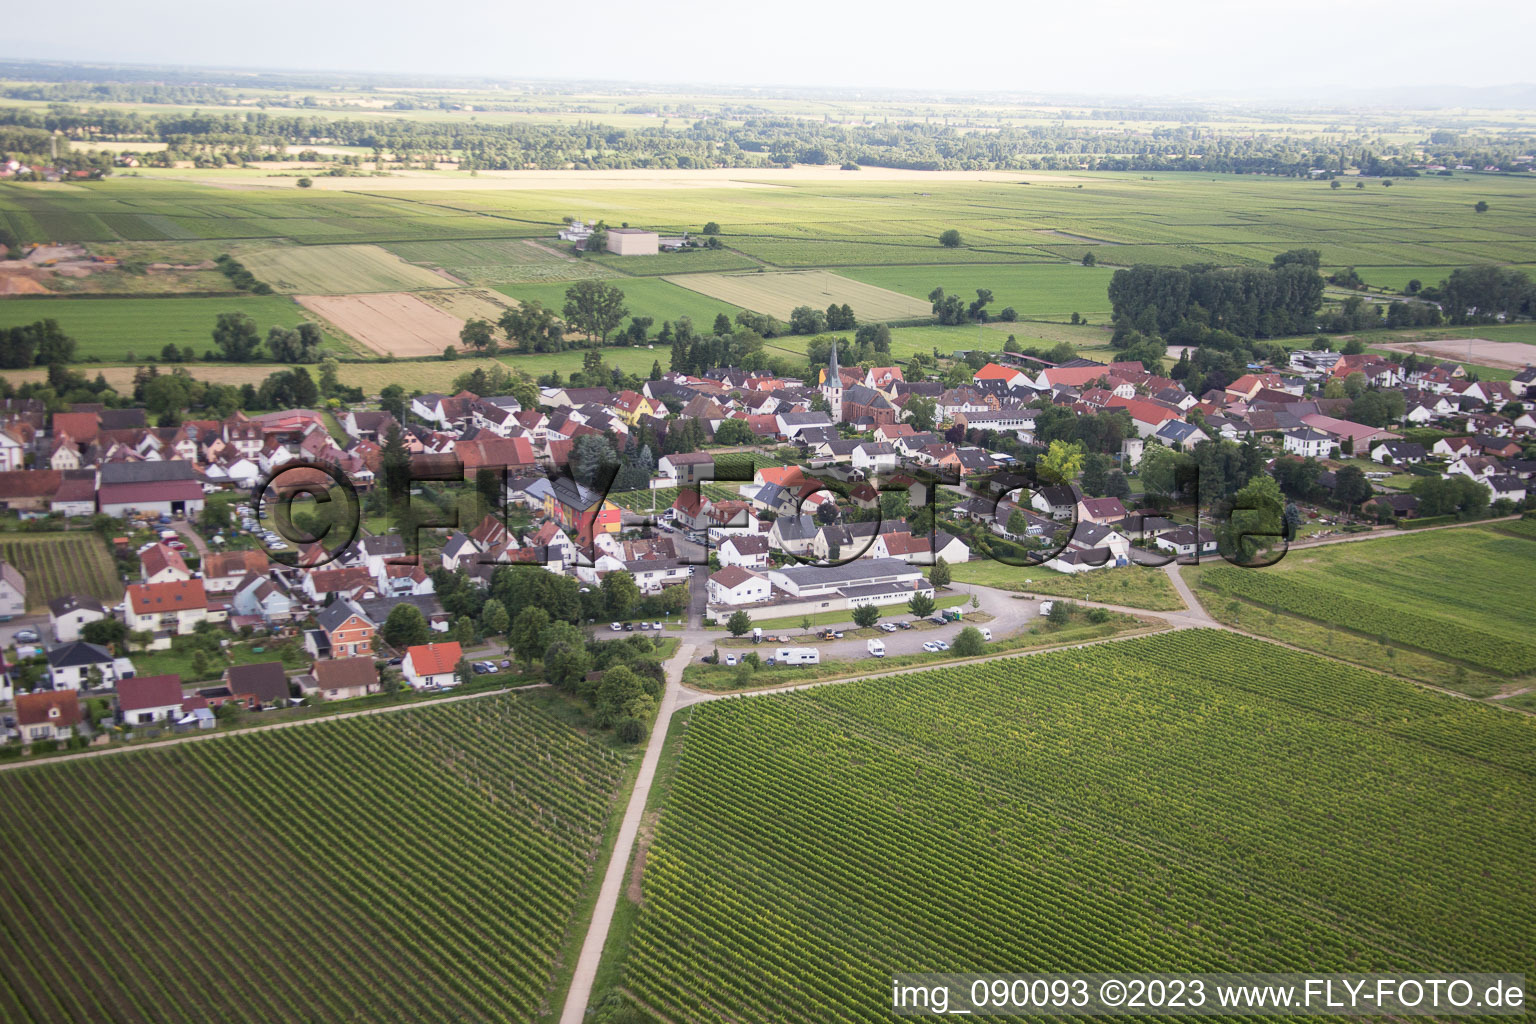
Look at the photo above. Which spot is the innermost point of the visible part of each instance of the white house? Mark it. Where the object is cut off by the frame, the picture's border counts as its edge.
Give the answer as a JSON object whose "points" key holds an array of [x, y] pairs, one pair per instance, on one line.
{"points": [[69, 614], [431, 664], [1188, 540], [176, 607], [13, 591], [748, 552], [69, 665], [142, 699], [1308, 443], [1399, 453], [734, 585]]}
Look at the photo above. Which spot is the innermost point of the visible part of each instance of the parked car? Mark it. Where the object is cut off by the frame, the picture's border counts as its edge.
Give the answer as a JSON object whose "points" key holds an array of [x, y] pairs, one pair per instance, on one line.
{"points": [[396, 661], [479, 668], [629, 627], [645, 625], [932, 647], [888, 627], [506, 663], [903, 624], [655, 625], [837, 634], [730, 659], [937, 620], [26, 636], [617, 627], [943, 646]]}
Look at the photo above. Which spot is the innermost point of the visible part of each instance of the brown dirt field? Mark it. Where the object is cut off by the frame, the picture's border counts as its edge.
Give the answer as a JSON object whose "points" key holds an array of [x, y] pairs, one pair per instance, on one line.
{"points": [[14, 283], [437, 375], [1508, 355], [390, 323]]}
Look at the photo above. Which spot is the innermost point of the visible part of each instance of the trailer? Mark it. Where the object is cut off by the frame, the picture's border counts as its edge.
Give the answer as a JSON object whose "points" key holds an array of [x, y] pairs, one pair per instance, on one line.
{"points": [[797, 656]]}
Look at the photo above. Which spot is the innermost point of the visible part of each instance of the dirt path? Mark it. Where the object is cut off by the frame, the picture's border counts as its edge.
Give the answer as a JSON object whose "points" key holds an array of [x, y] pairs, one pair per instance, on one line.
{"points": [[580, 992]]}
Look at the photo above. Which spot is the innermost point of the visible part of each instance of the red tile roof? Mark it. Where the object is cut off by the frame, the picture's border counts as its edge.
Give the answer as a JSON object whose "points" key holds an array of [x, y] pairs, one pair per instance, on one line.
{"points": [[434, 659], [145, 598], [34, 708]]}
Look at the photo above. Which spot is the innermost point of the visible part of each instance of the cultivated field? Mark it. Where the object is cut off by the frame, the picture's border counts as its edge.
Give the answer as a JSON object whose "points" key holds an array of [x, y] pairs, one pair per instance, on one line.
{"points": [[1136, 586], [487, 261], [1188, 801], [448, 843], [390, 323], [338, 270], [1033, 289], [1400, 604], [129, 329], [469, 303], [778, 294], [58, 564], [649, 296]]}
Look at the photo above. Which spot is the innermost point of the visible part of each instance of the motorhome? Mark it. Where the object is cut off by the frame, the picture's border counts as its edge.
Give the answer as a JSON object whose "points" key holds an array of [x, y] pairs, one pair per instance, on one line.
{"points": [[877, 648]]}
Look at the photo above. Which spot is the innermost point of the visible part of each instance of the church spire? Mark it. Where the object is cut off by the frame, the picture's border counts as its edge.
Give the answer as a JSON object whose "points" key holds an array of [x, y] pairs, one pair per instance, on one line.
{"points": [[834, 377]]}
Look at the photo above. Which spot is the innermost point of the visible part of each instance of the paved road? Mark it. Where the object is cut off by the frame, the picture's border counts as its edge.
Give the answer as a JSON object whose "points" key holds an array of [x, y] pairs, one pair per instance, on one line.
{"points": [[580, 993]]}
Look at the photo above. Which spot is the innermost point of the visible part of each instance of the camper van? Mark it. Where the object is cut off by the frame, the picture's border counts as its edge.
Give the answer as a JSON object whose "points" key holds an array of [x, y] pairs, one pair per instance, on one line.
{"points": [[877, 648], [797, 656], [1046, 606]]}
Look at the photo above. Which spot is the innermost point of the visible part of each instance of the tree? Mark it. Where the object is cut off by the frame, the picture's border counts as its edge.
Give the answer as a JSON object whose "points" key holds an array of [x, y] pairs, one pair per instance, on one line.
{"points": [[722, 324], [1089, 259], [710, 229], [493, 617], [594, 308], [950, 239], [969, 642], [527, 632], [805, 320], [866, 615], [236, 336], [630, 730], [1060, 613], [739, 624], [1018, 523], [922, 412], [1256, 520], [1481, 206], [1351, 487], [305, 182], [566, 663], [477, 335], [920, 605], [620, 594], [620, 694], [1061, 463], [395, 461], [939, 575], [406, 627]]}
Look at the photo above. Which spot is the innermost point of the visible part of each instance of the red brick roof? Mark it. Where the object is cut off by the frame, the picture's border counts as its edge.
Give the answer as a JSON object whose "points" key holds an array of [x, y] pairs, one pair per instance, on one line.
{"points": [[160, 557]]}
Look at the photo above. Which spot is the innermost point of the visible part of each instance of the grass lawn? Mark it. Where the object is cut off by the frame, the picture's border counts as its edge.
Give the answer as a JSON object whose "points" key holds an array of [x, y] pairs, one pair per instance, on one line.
{"points": [[115, 330], [1136, 586], [179, 659]]}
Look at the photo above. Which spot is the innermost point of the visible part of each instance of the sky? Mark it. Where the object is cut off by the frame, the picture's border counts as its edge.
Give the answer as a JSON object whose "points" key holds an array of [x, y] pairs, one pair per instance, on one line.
{"points": [[1152, 48]]}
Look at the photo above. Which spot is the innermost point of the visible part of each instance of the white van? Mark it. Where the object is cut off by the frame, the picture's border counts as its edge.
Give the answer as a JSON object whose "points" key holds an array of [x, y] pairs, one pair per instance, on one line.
{"points": [[986, 634], [1046, 606], [877, 648], [797, 656]]}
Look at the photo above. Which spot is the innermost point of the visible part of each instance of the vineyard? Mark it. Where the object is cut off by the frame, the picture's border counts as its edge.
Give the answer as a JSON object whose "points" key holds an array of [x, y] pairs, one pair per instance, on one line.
{"points": [[640, 501], [418, 865], [58, 564], [1192, 801], [1410, 591]]}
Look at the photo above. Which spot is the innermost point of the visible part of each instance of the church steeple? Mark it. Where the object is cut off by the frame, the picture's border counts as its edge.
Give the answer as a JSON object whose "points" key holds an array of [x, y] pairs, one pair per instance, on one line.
{"points": [[832, 387]]}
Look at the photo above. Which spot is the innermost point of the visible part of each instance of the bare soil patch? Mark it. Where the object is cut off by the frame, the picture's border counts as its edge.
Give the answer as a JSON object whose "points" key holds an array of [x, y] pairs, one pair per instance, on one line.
{"points": [[390, 323], [1509, 355]]}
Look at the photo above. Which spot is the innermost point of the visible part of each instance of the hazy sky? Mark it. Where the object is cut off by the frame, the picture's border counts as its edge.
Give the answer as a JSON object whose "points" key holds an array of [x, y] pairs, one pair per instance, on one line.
{"points": [[1145, 48]]}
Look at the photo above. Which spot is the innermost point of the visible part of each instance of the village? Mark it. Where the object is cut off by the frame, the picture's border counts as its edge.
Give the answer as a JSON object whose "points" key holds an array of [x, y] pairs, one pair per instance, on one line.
{"points": [[842, 502]]}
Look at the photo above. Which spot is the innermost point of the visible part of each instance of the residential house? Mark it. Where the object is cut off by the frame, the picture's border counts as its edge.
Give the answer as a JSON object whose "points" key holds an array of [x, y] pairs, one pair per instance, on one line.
{"points": [[69, 614], [13, 592], [1188, 541], [431, 664], [1398, 453], [1104, 511], [263, 684], [143, 699], [749, 552], [169, 488], [70, 665], [161, 564], [264, 598], [734, 585], [344, 631], [344, 678], [47, 715], [229, 570], [166, 608], [1309, 443]]}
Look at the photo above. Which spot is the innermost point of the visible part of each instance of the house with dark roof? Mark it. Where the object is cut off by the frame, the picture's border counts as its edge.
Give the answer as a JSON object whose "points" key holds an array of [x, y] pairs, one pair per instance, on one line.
{"points": [[263, 684], [344, 678], [170, 488], [344, 631], [69, 614], [70, 665]]}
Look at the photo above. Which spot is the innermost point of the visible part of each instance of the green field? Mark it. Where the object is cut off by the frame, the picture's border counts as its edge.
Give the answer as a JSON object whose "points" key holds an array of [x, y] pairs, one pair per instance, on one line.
{"points": [[1136, 586], [112, 329], [60, 564], [650, 297], [1052, 291], [1193, 801], [1408, 592], [496, 261], [457, 856], [338, 270]]}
